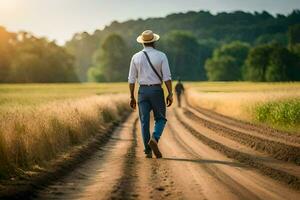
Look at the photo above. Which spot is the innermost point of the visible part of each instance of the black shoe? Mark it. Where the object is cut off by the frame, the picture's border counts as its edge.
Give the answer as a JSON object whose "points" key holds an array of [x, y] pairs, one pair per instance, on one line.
{"points": [[153, 145], [149, 155]]}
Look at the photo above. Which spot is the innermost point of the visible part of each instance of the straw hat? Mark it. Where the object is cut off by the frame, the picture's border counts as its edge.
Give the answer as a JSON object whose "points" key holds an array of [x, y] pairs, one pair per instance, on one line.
{"points": [[147, 37]]}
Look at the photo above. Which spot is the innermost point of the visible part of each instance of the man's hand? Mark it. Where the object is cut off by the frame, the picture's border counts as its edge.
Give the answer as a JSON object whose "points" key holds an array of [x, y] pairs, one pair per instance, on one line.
{"points": [[170, 96], [132, 99], [169, 100], [133, 103]]}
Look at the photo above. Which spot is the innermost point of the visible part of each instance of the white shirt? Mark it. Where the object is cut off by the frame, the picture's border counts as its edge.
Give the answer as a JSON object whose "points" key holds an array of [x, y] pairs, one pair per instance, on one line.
{"points": [[141, 70]]}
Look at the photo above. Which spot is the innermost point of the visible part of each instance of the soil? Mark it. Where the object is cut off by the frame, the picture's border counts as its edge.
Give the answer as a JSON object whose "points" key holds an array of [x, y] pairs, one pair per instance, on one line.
{"points": [[205, 156]]}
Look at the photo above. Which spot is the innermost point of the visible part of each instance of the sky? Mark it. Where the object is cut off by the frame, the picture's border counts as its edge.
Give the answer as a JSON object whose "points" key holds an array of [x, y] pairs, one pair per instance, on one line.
{"points": [[60, 19]]}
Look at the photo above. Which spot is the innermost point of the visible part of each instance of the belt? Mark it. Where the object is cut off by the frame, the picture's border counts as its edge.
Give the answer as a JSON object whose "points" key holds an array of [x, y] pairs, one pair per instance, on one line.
{"points": [[149, 85]]}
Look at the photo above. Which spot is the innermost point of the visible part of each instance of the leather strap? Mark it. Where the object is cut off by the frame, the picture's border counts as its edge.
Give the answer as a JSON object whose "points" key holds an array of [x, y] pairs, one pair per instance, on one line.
{"points": [[150, 63], [151, 85]]}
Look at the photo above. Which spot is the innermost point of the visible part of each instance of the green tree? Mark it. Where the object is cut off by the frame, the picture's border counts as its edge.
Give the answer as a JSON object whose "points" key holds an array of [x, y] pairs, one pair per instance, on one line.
{"points": [[278, 38], [256, 63], [236, 49], [95, 75], [294, 35], [206, 49], [60, 64], [37, 60], [222, 69], [183, 53], [282, 66], [294, 46], [82, 46], [27, 69], [278, 65], [227, 61], [271, 63], [111, 61]]}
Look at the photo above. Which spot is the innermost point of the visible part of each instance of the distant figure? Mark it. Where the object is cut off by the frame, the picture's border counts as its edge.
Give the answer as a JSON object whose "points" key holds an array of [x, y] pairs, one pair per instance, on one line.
{"points": [[179, 89], [150, 68]]}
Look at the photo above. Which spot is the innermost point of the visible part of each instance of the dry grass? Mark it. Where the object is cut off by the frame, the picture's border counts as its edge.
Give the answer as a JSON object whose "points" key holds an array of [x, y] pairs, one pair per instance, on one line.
{"points": [[240, 100], [34, 94], [34, 133]]}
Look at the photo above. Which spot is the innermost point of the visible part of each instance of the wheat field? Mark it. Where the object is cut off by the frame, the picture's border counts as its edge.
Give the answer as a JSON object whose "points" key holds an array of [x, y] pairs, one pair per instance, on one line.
{"points": [[246, 101], [41, 122]]}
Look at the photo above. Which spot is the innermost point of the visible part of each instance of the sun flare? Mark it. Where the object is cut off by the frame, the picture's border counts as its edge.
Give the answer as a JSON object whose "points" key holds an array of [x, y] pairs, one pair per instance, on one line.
{"points": [[8, 6]]}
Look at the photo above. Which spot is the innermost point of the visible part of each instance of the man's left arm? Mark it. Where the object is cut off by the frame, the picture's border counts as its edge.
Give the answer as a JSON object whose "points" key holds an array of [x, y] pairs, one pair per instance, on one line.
{"points": [[170, 93], [167, 79]]}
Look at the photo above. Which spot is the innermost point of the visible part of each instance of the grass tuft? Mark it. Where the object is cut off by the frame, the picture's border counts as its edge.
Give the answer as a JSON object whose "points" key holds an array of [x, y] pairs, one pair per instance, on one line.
{"points": [[284, 112]]}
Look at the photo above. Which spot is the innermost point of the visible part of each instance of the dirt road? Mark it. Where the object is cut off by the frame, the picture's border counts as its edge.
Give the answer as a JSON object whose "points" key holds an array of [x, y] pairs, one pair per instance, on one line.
{"points": [[205, 156]]}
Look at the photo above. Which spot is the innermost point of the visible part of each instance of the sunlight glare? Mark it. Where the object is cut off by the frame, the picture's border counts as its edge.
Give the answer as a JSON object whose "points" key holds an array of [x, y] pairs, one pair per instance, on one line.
{"points": [[7, 6]]}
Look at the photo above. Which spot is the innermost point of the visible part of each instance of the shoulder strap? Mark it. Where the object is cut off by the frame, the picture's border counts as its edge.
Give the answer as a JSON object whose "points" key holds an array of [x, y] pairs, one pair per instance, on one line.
{"points": [[150, 63]]}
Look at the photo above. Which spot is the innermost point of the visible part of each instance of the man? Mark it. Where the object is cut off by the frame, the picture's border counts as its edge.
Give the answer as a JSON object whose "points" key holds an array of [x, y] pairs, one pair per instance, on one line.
{"points": [[150, 68], [179, 89]]}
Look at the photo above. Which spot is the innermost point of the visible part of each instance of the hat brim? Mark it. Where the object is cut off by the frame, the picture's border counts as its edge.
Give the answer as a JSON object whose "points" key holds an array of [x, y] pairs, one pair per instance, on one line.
{"points": [[140, 39]]}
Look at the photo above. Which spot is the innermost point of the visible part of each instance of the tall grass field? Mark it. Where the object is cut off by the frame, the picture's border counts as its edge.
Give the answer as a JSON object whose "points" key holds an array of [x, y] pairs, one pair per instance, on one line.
{"points": [[273, 104], [40, 122]]}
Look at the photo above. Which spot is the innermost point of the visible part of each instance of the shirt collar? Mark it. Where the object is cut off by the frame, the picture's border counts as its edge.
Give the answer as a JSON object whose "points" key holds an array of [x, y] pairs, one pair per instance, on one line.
{"points": [[148, 48]]}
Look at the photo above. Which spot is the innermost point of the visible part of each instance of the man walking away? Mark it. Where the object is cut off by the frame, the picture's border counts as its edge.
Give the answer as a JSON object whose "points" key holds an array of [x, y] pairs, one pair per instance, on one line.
{"points": [[150, 68], [179, 89]]}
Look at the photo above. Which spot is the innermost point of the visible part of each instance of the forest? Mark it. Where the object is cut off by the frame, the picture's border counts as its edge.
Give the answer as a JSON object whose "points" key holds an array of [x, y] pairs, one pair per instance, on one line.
{"points": [[25, 58], [201, 46]]}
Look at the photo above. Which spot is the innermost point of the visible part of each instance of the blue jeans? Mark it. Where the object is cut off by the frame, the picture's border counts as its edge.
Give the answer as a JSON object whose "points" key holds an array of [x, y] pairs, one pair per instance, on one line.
{"points": [[151, 98]]}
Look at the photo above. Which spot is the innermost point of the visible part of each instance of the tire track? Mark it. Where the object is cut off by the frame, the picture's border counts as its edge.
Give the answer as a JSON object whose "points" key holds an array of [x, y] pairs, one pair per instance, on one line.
{"points": [[277, 150], [239, 190], [279, 175], [155, 177], [124, 189], [263, 130], [118, 170], [162, 185], [62, 166], [95, 178]]}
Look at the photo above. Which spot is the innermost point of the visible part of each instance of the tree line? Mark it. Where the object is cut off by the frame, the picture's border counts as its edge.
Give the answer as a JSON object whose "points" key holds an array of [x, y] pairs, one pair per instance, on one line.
{"points": [[25, 58], [191, 59], [265, 62], [197, 45], [200, 46]]}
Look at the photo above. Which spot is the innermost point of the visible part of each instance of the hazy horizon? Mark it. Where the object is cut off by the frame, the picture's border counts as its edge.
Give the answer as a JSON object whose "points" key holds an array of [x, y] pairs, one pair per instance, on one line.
{"points": [[59, 20]]}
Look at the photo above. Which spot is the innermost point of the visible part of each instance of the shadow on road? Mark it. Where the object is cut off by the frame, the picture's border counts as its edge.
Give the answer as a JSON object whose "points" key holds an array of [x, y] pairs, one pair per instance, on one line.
{"points": [[204, 161]]}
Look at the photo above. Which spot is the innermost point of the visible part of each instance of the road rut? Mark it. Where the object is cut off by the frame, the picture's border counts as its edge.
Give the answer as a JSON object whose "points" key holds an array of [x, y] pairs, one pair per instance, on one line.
{"points": [[201, 160]]}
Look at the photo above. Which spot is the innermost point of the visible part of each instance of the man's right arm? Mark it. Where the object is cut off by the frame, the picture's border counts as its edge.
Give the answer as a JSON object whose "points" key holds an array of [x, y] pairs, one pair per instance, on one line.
{"points": [[132, 98], [132, 79]]}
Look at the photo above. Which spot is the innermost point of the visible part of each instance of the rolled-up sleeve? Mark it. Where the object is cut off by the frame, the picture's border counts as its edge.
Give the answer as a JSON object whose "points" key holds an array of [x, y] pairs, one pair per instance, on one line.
{"points": [[166, 69], [132, 72]]}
